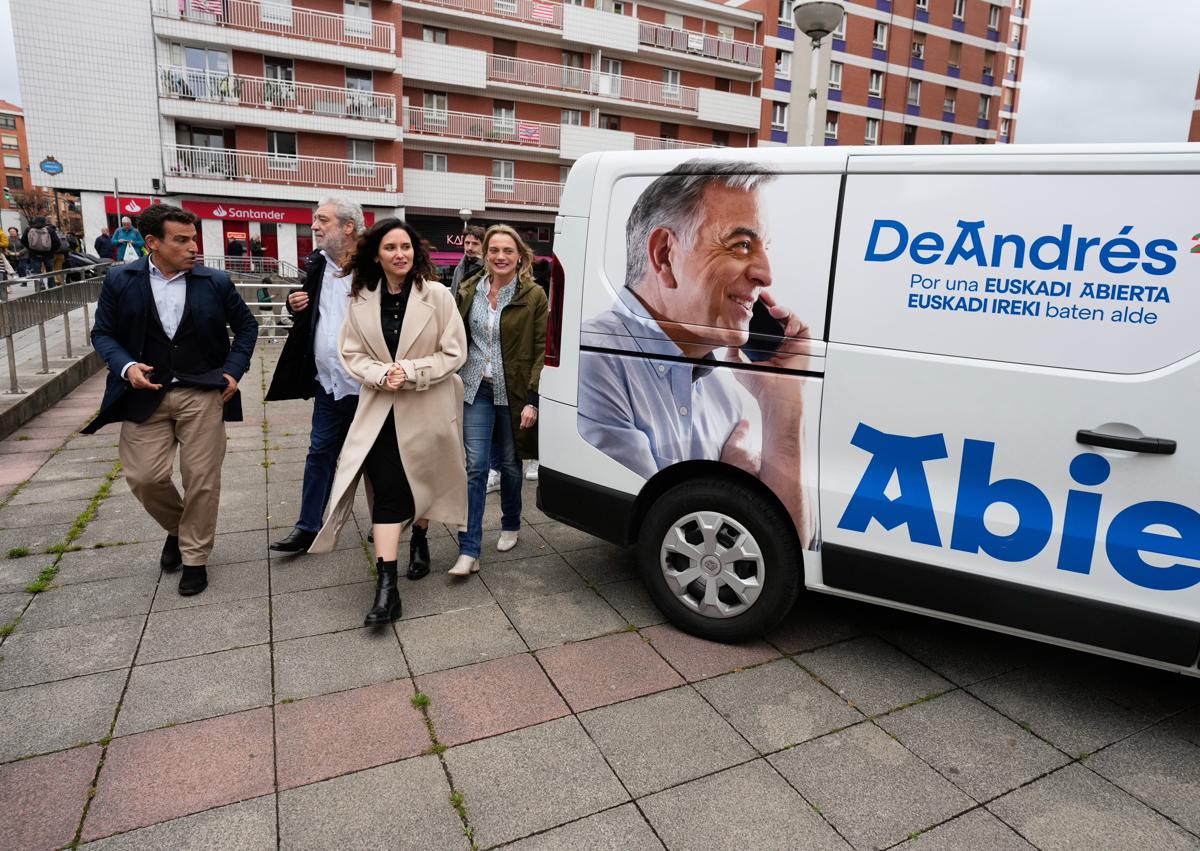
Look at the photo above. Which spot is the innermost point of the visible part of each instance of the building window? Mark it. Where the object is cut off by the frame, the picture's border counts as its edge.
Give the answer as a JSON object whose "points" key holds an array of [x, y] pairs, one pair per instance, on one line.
{"points": [[955, 54], [360, 81], [573, 75], [831, 125], [785, 13], [960, 9], [722, 84], [504, 47], [985, 107], [914, 92], [8, 122], [910, 134], [671, 83], [1016, 33], [835, 76], [618, 8], [564, 171], [1008, 100], [951, 100], [994, 18], [918, 45], [433, 35], [871, 137], [1012, 65], [783, 65], [10, 142], [1004, 125], [358, 18], [667, 130], [275, 12], [573, 117], [610, 77], [12, 181], [283, 70], [923, 4], [779, 116], [281, 150], [504, 116], [434, 162], [503, 175], [989, 63], [947, 137], [880, 41], [724, 32], [609, 122], [721, 138], [1018, 6], [674, 21], [839, 32], [361, 153], [436, 102], [875, 84]]}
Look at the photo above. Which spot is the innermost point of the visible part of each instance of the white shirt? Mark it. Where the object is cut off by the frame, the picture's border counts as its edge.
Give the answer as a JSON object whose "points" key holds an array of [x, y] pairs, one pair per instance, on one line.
{"points": [[331, 313], [170, 297]]}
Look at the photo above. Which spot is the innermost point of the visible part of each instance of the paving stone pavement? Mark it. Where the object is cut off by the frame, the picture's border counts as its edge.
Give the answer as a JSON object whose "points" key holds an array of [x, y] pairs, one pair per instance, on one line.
{"points": [[542, 704]]}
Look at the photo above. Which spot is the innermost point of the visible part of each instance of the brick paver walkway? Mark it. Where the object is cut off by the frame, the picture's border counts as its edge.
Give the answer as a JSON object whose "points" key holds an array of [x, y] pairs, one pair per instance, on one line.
{"points": [[541, 703]]}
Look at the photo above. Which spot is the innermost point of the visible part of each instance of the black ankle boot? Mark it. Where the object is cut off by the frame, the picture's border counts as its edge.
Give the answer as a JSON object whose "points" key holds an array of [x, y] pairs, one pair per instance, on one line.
{"points": [[418, 554], [387, 596]]}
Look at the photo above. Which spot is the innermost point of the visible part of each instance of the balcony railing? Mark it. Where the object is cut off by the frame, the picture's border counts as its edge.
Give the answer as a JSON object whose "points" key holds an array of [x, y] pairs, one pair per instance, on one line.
{"points": [[543, 13], [522, 193], [483, 128], [193, 161], [284, 95], [699, 44], [654, 143], [277, 18], [544, 75]]}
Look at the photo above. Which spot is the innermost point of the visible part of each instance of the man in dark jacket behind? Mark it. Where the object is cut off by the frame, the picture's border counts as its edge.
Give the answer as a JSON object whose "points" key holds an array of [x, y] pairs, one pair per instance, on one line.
{"points": [[472, 261], [103, 245], [42, 242]]}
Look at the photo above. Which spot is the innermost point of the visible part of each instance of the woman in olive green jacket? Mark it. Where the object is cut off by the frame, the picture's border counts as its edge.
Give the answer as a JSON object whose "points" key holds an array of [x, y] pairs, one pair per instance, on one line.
{"points": [[504, 312]]}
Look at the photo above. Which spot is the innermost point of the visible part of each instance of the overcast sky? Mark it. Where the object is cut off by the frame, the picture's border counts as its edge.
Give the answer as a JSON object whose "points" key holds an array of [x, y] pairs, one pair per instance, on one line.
{"points": [[1096, 70]]}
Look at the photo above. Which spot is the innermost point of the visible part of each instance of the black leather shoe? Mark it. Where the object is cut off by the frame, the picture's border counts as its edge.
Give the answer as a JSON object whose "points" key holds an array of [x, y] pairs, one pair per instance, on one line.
{"points": [[387, 596], [297, 541], [171, 559], [418, 556], [193, 581]]}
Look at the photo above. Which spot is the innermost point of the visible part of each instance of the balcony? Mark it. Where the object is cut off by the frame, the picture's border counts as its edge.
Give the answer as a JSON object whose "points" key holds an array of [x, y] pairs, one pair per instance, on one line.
{"points": [[263, 16], [256, 167], [481, 128], [701, 45], [654, 143], [540, 13], [522, 193], [544, 75], [277, 95]]}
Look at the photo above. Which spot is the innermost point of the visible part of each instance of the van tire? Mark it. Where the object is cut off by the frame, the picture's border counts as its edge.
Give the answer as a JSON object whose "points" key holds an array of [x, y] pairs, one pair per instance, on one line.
{"points": [[724, 505]]}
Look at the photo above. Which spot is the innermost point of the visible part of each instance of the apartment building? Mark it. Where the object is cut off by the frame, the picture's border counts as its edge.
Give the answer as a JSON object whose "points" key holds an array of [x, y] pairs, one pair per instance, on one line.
{"points": [[16, 161], [900, 72], [247, 111]]}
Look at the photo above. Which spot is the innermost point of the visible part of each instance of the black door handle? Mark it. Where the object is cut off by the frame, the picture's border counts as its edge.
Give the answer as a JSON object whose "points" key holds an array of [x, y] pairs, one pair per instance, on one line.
{"points": [[1150, 445]]}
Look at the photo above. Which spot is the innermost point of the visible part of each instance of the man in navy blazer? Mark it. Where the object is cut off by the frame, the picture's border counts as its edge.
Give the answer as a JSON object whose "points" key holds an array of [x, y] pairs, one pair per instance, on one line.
{"points": [[162, 327]]}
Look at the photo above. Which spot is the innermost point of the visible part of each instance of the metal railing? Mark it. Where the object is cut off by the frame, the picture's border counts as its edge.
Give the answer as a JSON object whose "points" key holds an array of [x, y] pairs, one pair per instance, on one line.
{"points": [[545, 75], [276, 18], [700, 44], [655, 143], [483, 128], [194, 161], [284, 95], [538, 12], [246, 265], [522, 193]]}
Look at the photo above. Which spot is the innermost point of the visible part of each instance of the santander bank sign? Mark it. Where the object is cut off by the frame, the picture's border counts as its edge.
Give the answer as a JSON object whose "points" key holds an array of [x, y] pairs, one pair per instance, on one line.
{"points": [[234, 212]]}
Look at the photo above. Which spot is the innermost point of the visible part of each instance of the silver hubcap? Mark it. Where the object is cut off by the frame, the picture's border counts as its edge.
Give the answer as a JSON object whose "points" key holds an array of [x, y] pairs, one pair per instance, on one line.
{"points": [[712, 564]]}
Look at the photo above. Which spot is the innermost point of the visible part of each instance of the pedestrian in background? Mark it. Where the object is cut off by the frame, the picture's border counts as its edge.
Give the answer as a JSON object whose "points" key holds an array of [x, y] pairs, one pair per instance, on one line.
{"points": [[404, 341], [128, 244], [472, 259], [505, 315], [235, 250], [16, 252], [103, 245], [42, 242], [257, 252]]}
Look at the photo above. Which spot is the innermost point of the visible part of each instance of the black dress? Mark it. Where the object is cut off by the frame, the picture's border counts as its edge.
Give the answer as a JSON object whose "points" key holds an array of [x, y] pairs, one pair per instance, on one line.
{"points": [[393, 499]]}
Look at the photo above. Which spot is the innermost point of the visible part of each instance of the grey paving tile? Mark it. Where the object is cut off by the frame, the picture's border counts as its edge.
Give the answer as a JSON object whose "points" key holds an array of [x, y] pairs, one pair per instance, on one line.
{"points": [[12, 605], [872, 675], [977, 748], [632, 601], [652, 742], [245, 826], [90, 602], [205, 629], [1185, 725], [305, 572], [1157, 767], [24, 516], [243, 515], [34, 720], [962, 654], [564, 538], [1077, 809], [92, 565], [749, 806], [530, 577], [321, 610], [336, 661], [121, 518], [818, 620], [562, 618], [42, 492], [45, 655], [777, 705], [226, 582], [619, 829], [16, 573], [976, 829], [603, 564], [532, 779], [401, 805], [35, 539], [439, 593], [194, 688], [458, 638], [68, 466], [869, 787], [236, 547]]}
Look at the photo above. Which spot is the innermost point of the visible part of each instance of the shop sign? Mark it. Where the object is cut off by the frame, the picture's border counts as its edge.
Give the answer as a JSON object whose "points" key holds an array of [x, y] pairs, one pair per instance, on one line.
{"points": [[237, 212], [131, 205]]}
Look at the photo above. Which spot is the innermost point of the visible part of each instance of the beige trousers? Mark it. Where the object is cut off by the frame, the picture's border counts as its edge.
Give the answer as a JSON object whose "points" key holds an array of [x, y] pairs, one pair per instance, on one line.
{"points": [[191, 420]]}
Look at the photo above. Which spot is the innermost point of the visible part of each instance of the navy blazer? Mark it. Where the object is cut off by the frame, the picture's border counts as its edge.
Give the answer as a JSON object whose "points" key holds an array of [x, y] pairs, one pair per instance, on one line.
{"points": [[124, 309]]}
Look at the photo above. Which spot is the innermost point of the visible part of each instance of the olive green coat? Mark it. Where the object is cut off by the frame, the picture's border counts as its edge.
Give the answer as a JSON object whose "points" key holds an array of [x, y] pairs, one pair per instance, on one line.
{"points": [[523, 347]]}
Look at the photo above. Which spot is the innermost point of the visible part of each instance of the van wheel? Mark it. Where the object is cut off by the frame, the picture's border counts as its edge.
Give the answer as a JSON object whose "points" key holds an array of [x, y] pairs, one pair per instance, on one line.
{"points": [[719, 559]]}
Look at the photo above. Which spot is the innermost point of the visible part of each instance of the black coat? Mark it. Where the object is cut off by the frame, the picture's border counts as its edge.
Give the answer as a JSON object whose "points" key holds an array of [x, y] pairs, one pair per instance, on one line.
{"points": [[296, 373], [123, 311]]}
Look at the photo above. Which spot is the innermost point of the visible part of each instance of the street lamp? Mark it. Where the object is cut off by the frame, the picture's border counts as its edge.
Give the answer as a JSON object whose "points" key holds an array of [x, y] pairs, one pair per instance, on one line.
{"points": [[465, 215], [816, 19]]}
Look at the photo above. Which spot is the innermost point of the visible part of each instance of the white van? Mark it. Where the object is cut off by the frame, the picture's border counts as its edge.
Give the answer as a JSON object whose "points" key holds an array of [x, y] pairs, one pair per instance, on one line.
{"points": [[958, 381]]}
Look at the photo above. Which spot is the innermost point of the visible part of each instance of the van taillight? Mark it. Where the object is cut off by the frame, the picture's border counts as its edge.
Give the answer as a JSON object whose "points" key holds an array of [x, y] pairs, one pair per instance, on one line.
{"points": [[558, 281]]}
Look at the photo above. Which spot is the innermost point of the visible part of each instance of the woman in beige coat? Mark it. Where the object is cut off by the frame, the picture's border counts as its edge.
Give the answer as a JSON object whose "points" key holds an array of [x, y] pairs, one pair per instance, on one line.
{"points": [[404, 340]]}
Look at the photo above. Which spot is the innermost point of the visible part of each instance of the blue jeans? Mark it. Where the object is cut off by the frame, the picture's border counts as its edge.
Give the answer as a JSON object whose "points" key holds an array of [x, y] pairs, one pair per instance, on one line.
{"points": [[330, 423], [480, 418]]}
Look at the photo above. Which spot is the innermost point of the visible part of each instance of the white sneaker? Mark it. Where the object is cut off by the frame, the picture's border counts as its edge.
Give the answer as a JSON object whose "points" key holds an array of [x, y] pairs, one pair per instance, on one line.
{"points": [[465, 566], [531, 471], [493, 483], [507, 541]]}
